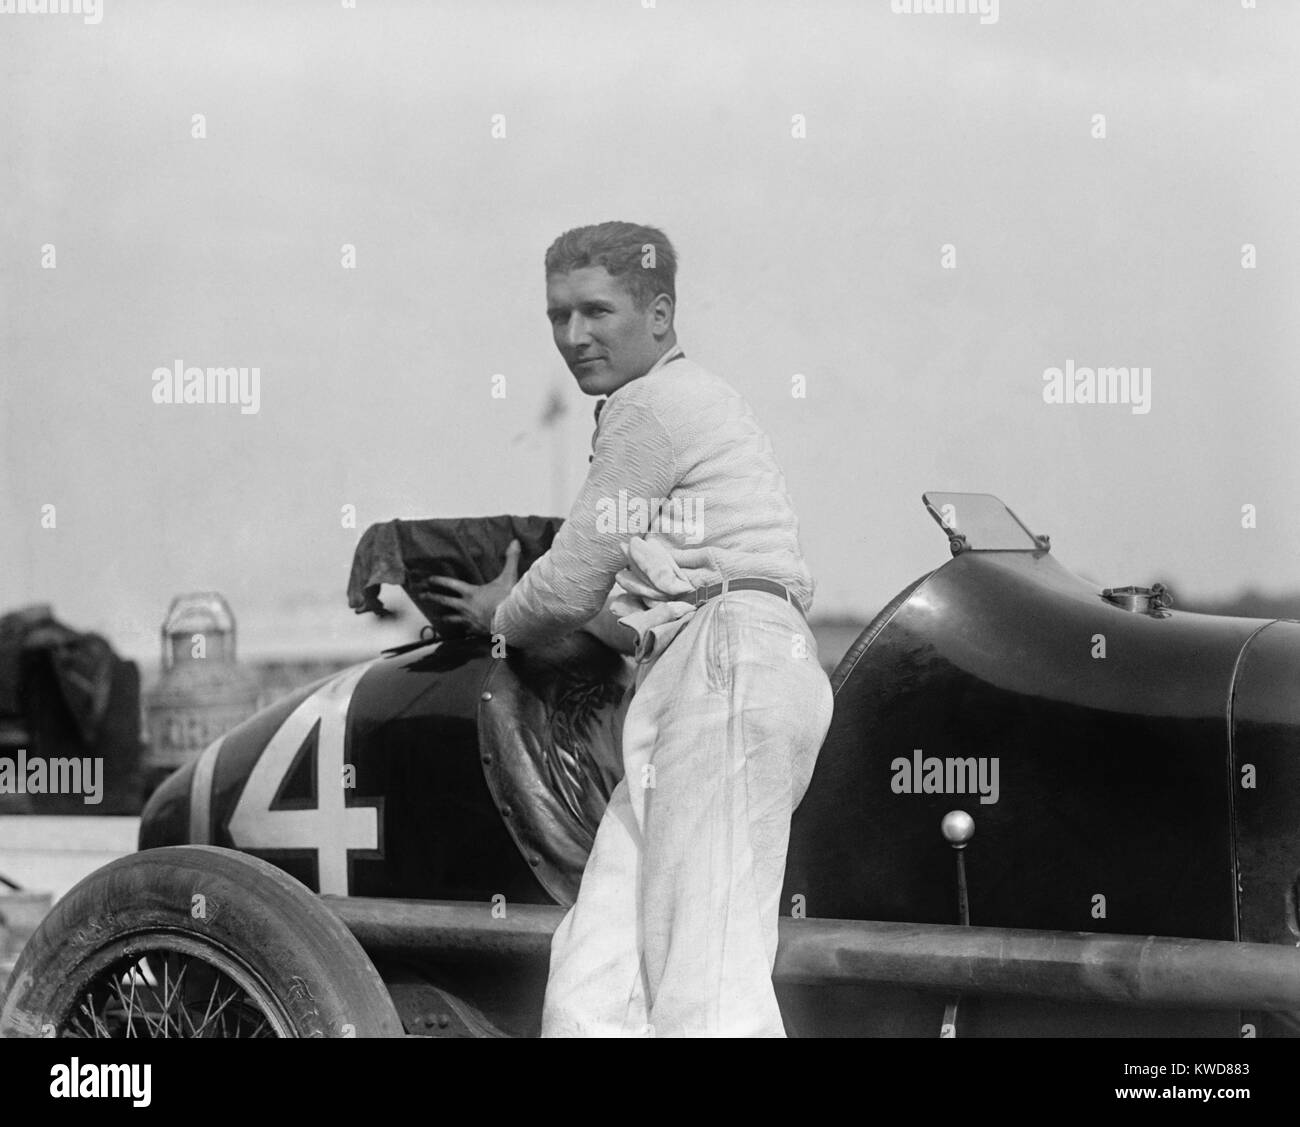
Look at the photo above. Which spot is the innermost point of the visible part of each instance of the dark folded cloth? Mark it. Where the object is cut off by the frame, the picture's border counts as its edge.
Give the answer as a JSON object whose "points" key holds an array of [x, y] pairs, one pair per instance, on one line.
{"points": [[83, 666], [408, 552]]}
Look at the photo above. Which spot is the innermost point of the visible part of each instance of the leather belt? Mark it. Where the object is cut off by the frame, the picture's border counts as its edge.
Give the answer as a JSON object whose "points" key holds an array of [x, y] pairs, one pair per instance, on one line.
{"points": [[701, 595]]}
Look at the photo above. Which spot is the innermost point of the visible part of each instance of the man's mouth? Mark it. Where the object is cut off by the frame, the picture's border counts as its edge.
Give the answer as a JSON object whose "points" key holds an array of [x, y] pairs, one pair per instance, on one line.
{"points": [[585, 360]]}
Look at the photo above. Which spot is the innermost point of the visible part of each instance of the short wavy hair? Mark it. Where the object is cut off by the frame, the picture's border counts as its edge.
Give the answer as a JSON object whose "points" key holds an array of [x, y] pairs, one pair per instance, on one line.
{"points": [[623, 249]]}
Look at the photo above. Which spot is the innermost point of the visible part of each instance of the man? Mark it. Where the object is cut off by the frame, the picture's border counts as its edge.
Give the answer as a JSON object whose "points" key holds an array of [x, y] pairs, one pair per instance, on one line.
{"points": [[674, 930]]}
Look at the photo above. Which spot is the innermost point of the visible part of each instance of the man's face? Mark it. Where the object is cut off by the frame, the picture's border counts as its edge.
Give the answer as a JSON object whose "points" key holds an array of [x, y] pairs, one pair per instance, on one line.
{"points": [[604, 339]]}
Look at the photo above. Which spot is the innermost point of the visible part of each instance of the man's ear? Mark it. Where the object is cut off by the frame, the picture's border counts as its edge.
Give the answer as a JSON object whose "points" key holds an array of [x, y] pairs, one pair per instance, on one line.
{"points": [[661, 315]]}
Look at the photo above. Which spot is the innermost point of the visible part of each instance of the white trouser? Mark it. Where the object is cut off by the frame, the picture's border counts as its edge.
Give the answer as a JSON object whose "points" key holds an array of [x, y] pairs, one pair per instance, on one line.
{"points": [[674, 931]]}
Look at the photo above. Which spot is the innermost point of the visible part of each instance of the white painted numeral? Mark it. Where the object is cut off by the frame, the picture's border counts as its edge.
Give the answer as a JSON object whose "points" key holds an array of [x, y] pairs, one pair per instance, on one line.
{"points": [[333, 827]]}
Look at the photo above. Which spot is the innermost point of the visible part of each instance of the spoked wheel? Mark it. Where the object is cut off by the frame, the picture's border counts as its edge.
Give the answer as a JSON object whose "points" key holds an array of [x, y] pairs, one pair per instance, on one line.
{"points": [[194, 942], [174, 987]]}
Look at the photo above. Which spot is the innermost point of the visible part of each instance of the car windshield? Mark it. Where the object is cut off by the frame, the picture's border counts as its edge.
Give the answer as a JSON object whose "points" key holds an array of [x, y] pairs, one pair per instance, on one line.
{"points": [[986, 523]]}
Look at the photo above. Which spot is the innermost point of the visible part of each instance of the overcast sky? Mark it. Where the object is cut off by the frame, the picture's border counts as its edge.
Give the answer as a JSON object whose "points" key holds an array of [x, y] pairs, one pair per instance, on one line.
{"points": [[817, 254]]}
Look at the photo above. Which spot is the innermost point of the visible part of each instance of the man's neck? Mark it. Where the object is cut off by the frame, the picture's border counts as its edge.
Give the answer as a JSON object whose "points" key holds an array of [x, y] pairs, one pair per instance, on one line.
{"points": [[669, 343], [670, 346]]}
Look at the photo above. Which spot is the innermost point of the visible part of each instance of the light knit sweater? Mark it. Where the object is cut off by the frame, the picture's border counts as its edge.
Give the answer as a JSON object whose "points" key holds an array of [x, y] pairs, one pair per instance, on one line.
{"points": [[677, 433]]}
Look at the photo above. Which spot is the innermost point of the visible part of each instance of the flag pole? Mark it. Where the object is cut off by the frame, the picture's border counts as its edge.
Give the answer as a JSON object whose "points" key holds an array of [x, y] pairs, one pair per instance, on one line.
{"points": [[553, 412]]}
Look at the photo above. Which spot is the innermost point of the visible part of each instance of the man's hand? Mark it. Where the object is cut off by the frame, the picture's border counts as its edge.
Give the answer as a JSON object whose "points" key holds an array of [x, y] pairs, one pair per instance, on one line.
{"points": [[474, 606]]}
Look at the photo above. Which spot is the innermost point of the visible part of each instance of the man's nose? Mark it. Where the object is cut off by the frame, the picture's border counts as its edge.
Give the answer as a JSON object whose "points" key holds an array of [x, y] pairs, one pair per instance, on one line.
{"points": [[576, 331]]}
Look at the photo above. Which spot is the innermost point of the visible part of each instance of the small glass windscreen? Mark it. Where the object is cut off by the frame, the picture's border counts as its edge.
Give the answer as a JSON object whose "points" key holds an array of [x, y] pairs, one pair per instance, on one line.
{"points": [[986, 522]]}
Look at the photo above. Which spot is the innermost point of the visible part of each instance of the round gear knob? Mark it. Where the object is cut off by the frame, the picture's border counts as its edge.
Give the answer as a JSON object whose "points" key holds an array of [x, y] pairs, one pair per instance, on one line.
{"points": [[958, 828]]}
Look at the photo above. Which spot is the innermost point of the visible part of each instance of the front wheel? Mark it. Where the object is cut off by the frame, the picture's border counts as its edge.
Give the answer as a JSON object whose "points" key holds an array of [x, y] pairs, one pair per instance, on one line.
{"points": [[191, 941]]}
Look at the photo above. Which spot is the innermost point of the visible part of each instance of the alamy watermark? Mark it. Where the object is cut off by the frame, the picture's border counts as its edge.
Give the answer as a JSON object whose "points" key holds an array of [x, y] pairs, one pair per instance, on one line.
{"points": [[37, 775], [1098, 385], [91, 11], [928, 774], [987, 10], [179, 384], [639, 515], [75, 1080]]}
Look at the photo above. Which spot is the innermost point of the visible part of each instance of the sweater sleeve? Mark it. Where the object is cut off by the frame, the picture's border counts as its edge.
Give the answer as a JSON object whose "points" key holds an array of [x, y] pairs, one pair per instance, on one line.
{"points": [[634, 459]]}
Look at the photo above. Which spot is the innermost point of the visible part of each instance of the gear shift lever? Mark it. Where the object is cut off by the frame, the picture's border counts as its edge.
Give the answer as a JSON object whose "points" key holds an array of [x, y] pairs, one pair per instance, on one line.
{"points": [[958, 828]]}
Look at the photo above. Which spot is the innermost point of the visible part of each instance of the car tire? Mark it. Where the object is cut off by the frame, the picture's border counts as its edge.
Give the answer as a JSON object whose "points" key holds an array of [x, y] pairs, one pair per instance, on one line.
{"points": [[194, 941]]}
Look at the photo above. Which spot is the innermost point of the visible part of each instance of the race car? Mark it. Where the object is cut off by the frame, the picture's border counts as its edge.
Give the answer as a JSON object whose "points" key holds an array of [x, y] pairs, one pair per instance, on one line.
{"points": [[1042, 808]]}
